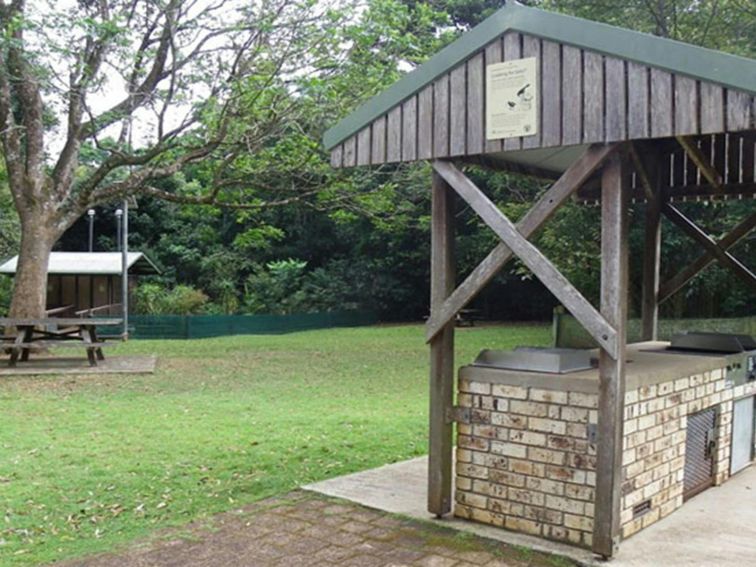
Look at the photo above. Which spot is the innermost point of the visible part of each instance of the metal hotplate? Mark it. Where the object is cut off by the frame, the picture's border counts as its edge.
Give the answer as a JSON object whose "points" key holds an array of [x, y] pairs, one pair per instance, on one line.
{"points": [[536, 359], [726, 343]]}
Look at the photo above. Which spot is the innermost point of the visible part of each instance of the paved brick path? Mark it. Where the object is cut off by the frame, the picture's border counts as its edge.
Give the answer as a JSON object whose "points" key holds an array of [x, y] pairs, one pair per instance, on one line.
{"points": [[303, 529]]}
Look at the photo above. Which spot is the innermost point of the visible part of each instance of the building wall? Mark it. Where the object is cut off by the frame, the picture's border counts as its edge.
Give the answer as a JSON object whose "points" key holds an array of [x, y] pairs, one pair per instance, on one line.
{"points": [[526, 461]]}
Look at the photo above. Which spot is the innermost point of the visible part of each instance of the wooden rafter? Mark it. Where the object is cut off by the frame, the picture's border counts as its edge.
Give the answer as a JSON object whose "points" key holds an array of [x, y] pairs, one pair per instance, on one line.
{"points": [[588, 316], [724, 257], [675, 283], [643, 173], [541, 212], [702, 162]]}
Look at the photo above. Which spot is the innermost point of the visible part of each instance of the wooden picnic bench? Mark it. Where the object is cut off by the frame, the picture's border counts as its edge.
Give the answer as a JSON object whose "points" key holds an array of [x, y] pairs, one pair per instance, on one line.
{"points": [[55, 332]]}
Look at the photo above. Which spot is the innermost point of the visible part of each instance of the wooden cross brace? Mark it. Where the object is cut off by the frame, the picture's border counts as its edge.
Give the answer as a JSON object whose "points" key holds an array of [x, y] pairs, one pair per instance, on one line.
{"points": [[714, 250], [515, 243]]}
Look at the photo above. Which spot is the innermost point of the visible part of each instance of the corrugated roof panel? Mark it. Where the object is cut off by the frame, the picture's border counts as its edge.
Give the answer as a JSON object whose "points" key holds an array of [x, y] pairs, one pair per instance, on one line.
{"points": [[90, 263]]}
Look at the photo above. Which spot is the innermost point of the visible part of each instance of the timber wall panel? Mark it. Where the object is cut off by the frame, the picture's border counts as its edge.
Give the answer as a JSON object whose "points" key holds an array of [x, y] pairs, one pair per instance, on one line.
{"points": [[394, 135], [583, 97], [513, 49], [686, 106], [712, 108], [378, 149], [531, 47], [551, 93], [441, 117], [363, 146], [593, 97], [458, 111], [572, 95], [350, 152], [409, 129], [616, 99], [475, 97], [425, 123], [492, 54], [637, 101]]}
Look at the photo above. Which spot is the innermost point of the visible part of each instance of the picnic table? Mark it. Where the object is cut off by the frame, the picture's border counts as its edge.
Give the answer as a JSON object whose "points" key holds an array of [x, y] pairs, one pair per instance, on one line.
{"points": [[55, 332]]}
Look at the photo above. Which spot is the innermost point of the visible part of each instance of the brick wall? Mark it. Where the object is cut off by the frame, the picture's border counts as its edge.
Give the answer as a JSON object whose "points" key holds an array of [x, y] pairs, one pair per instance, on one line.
{"points": [[525, 461]]}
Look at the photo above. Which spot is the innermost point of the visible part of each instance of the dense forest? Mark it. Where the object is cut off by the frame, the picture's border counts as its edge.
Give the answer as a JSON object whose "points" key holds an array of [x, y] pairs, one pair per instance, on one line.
{"points": [[358, 239]]}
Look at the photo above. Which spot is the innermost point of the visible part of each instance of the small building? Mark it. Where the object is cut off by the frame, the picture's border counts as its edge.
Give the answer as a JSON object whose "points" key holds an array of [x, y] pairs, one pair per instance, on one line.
{"points": [[80, 281]]}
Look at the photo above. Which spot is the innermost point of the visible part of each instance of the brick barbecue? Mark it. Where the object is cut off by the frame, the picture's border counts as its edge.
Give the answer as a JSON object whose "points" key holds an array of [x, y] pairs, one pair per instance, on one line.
{"points": [[526, 457]]}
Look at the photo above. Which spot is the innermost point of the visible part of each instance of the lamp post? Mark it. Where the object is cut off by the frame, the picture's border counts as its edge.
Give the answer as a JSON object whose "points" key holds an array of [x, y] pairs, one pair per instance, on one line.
{"points": [[91, 214], [125, 266], [119, 234]]}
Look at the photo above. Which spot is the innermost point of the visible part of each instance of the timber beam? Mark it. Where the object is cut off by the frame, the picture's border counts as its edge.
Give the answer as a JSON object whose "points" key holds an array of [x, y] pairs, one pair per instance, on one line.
{"points": [[570, 181], [708, 243], [714, 251], [691, 148], [611, 398], [441, 351], [588, 316]]}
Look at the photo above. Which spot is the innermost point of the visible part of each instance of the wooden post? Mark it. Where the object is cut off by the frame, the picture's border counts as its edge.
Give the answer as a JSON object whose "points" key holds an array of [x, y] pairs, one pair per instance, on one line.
{"points": [[652, 258], [614, 282], [441, 350]]}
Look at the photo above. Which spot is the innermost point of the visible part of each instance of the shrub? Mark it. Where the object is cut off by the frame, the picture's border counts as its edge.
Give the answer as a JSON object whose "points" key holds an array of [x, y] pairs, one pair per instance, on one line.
{"points": [[154, 299]]}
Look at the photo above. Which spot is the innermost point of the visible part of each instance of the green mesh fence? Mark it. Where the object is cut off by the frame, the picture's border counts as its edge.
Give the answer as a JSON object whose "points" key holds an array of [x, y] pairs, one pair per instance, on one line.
{"points": [[204, 326], [569, 334]]}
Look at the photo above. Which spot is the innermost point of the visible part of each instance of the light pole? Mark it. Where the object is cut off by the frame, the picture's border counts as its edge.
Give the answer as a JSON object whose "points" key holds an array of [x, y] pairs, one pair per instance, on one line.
{"points": [[125, 267], [119, 234], [91, 214]]}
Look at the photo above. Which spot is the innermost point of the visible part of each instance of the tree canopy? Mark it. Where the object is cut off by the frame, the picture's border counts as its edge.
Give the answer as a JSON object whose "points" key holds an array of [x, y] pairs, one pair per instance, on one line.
{"points": [[208, 103]]}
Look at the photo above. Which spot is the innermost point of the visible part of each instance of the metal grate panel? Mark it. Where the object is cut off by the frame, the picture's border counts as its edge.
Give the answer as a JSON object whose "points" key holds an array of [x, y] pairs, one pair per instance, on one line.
{"points": [[700, 448]]}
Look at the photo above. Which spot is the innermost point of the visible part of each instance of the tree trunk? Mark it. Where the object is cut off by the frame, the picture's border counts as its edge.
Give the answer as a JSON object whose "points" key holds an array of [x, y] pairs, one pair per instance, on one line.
{"points": [[30, 289]]}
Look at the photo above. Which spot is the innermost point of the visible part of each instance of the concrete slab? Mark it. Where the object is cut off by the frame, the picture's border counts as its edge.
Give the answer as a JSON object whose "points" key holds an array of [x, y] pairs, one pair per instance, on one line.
{"points": [[67, 366], [716, 528]]}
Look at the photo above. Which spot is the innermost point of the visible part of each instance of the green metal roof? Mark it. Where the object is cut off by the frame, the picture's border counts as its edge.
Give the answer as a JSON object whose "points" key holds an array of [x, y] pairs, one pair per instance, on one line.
{"points": [[682, 58]]}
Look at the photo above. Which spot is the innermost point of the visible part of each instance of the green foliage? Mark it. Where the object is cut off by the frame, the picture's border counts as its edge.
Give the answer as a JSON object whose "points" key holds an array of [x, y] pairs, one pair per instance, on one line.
{"points": [[276, 288], [154, 299]]}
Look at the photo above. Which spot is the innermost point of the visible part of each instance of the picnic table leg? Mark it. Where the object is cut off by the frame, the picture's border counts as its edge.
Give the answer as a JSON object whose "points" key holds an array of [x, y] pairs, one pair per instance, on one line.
{"points": [[98, 351], [86, 336], [16, 350], [28, 336]]}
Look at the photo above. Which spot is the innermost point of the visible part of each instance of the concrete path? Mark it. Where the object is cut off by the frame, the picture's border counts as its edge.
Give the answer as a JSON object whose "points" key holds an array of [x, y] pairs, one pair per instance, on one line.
{"points": [[717, 528]]}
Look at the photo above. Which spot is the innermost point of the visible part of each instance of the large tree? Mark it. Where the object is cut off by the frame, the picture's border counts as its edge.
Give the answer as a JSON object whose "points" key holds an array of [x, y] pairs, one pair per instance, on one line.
{"points": [[148, 87]]}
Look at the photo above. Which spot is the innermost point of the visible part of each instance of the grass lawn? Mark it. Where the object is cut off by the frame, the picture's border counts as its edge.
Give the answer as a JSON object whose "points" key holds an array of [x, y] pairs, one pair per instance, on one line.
{"points": [[91, 462]]}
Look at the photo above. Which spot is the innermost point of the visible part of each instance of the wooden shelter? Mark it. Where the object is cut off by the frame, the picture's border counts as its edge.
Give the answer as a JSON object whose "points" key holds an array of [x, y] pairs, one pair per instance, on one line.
{"points": [[80, 282], [613, 117]]}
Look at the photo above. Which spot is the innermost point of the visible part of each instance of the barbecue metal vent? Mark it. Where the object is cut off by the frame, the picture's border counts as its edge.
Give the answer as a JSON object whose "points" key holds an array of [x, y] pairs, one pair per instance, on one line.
{"points": [[712, 342], [536, 359]]}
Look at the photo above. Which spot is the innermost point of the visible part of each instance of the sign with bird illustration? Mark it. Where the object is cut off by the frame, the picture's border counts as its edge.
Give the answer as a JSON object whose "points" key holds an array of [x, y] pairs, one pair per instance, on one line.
{"points": [[512, 99]]}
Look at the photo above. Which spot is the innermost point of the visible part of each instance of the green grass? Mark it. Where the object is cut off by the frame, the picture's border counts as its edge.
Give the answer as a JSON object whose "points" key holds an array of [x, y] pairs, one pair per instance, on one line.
{"points": [[88, 463]]}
